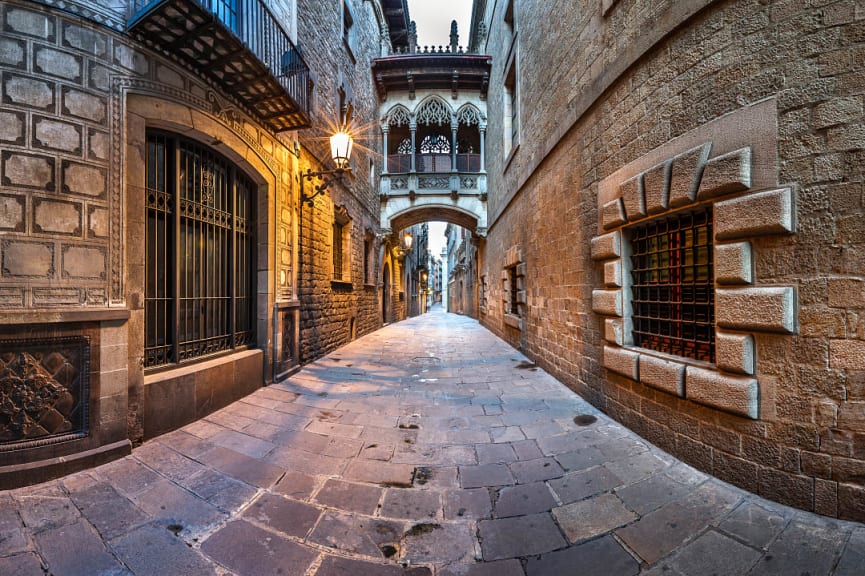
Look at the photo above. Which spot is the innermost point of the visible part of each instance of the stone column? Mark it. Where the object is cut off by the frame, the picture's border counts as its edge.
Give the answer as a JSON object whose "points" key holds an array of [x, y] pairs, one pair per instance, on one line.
{"points": [[412, 125], [385, 128], [483, 128], [454, 126]]}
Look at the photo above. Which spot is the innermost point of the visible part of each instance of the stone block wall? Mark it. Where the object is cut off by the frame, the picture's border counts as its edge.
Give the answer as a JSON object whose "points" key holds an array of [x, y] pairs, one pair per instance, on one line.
{"points": [[631, 100], [54, 161], [333, 313]]}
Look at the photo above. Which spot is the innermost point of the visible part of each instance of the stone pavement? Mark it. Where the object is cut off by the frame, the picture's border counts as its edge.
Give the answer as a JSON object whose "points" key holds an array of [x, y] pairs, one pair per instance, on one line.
{"points": [[430, 447]]}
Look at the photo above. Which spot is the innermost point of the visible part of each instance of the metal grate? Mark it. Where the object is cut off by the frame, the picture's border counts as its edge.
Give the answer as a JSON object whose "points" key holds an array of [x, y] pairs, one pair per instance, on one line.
{"points": [[672, 287], [514, 307], [337, 250], [199, 294]]}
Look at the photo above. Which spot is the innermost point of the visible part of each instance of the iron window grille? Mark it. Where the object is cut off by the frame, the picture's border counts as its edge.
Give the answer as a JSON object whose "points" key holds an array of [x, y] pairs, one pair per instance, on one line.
{"points": [[672, 289], [200, 245], [337, 250], [513, 305]]}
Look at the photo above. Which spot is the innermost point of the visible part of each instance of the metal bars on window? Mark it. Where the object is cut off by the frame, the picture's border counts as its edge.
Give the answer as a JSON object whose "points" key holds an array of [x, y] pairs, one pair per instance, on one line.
{"points": [[337, 250], [513, 304], [672, 286], [199, 294]]}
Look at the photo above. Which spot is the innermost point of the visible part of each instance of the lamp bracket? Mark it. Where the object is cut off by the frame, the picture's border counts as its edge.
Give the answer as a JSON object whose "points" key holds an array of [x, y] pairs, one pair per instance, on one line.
{"points": [[324, 176]]}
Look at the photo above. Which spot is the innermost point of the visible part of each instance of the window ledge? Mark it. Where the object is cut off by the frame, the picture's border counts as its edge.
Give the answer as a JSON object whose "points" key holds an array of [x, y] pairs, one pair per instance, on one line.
{"points": [[343, 285], [369, 286], [671, 357]]}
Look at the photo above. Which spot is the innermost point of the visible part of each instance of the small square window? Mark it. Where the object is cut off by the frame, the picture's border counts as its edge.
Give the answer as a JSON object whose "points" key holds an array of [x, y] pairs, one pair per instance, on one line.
{"points": [[672, 285]]}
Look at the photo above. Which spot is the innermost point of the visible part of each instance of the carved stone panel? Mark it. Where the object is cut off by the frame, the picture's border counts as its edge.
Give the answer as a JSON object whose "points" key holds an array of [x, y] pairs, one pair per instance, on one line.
{"points": [[44, 391]]}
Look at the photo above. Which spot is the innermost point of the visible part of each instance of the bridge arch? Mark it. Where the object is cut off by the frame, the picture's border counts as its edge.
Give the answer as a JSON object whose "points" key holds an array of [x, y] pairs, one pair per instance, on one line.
{"points": [[466, 211], [428, 213]]}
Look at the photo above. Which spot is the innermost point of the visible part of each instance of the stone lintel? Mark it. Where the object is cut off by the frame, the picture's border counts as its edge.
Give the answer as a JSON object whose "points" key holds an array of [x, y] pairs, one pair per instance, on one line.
{"points": [[631, 192], [686, 173], [726, 174], [656, 182], [613, 214]]}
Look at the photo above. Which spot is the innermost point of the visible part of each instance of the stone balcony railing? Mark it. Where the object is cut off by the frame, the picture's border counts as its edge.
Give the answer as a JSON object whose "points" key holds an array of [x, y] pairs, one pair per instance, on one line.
{"points": [[434, 184]]}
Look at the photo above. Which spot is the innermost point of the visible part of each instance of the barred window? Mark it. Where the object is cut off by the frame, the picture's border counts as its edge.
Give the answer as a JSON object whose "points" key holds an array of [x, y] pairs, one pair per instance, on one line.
{"points": [[672, 287], [337, 250], [341, 248], [199, 296]]}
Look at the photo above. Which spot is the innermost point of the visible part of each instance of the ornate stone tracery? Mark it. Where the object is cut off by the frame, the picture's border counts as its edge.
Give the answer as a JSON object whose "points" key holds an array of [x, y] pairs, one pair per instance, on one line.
{"points": [[434, 111], [398, 116], [469, 115]]}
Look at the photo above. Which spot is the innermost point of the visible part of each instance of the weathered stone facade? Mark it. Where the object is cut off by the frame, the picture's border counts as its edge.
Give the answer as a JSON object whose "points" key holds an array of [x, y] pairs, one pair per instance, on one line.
{"points": [[81, 93], [629, 111], [335, 311]]}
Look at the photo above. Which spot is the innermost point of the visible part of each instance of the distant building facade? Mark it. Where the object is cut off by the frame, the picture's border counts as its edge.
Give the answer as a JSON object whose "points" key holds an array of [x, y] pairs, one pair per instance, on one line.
{"points": [[462, 271]]}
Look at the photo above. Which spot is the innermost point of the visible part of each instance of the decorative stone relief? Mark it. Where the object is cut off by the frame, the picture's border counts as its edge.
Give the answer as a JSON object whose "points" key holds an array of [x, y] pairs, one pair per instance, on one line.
{"points": [[468, 115], [468, 183], [398, 116], [432, 183], [44, 391], [434, 111]]}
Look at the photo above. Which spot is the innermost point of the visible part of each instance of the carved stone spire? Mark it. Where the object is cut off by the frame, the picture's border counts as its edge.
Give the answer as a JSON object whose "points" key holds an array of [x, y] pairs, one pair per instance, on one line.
{"points": [[455, 37], [412, 37]]}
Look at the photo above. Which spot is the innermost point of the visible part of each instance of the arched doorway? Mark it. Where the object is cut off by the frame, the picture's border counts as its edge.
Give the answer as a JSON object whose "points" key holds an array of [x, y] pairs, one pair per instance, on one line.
{"points": [[385, 294]]}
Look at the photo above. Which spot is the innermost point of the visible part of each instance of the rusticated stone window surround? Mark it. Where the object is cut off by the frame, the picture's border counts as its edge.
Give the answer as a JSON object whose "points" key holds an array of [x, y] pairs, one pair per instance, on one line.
{"points": [[726, 171], [514, 297]]}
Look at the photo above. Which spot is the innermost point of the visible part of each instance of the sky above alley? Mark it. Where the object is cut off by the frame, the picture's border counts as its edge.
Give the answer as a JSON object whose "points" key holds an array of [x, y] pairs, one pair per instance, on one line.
{"points": [[433, 18]]}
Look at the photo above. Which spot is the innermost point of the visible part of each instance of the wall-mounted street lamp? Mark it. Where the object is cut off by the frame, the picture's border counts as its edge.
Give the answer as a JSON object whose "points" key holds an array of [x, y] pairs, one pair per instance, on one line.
{"points": [[407, 241], [340, 151]]}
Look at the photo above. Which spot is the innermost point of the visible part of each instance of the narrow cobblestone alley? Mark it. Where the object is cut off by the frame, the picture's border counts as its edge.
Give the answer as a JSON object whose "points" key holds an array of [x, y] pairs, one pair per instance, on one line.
{"points": [[427, 447]]}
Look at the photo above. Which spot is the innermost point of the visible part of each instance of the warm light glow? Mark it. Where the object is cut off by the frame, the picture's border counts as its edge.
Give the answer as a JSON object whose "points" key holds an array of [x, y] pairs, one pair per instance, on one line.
{"points": [[340, 148], [407, 240]]}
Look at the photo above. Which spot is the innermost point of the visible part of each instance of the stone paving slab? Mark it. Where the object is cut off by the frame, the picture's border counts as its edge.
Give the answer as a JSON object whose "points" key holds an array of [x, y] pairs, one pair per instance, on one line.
{"points": [[249, 550], [601, 557], [153, 550], [428, 448]]}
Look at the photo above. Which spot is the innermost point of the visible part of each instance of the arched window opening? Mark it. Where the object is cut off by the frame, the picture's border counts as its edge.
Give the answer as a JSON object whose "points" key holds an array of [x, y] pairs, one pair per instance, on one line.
{"points": [[398, 142], [434, 134], [468, 139], [200, 266]]}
